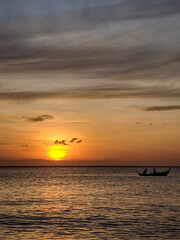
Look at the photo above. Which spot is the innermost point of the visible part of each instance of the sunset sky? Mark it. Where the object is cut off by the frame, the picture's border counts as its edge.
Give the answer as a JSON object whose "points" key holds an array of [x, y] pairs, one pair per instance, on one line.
{"points": [[97, 82]]}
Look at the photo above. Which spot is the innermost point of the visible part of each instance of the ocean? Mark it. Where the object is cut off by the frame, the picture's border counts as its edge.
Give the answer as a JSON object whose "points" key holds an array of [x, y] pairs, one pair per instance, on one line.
{"points": [[88, 203]]}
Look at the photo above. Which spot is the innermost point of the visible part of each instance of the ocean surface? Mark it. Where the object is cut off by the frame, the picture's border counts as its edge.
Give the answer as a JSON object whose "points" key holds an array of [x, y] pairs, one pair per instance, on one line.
{"points": [[88, 203]]}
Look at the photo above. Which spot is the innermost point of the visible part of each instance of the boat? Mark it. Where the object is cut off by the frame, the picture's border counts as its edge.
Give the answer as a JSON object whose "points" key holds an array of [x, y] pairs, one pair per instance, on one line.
{"points": [[155, 173]]}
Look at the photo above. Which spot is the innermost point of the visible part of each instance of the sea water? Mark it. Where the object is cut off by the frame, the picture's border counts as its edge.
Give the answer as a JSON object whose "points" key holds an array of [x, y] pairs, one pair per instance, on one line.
{"points": [[88, 203]]}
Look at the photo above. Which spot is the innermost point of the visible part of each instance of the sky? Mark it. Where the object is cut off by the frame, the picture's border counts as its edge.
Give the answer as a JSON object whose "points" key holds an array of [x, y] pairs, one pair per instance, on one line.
{"points": [[85, 82]]}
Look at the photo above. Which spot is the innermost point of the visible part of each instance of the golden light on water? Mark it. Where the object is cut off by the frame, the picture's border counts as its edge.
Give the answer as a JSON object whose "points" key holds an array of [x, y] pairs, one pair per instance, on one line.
{"points": [[56, 152]]}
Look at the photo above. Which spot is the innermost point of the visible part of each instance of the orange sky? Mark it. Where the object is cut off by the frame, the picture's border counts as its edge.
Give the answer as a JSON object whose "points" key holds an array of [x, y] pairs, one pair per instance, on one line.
{"points": [[111, 133]]}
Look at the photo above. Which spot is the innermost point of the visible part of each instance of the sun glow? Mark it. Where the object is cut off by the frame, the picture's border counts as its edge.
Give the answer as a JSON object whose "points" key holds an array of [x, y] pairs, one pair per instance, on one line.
{"points": [[56, 152]]}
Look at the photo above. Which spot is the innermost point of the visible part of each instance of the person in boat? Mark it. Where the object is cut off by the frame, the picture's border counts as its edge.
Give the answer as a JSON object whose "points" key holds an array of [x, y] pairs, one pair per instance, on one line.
{"points": [[145, 171], [155, 171]]}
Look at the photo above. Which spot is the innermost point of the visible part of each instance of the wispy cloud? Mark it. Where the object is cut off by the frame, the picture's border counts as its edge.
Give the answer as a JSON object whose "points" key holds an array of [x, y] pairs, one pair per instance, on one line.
{"points": [[162, 108], [40, 118], [97, 92], [105, 46], [41, 44]]}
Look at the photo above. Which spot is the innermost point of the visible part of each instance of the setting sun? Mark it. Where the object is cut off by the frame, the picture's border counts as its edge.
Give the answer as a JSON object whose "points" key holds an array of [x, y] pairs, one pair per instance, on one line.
{"points": [[56, 152]]}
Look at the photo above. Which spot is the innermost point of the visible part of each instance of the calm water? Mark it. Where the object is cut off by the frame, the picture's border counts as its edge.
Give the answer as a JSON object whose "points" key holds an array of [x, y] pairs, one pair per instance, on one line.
{"points": [[88, 203]]}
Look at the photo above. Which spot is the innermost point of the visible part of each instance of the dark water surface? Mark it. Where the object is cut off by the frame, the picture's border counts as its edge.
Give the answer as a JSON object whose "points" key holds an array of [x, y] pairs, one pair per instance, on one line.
{"points": [[88, 203]]}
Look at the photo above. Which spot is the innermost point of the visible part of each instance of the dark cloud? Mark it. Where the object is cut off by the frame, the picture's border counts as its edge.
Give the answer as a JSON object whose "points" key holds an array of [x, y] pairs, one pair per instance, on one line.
{"points": [[138, 123], [57, 142], [40, 118], [73, 139], [62, 142], [24, 145], [162, 108]]}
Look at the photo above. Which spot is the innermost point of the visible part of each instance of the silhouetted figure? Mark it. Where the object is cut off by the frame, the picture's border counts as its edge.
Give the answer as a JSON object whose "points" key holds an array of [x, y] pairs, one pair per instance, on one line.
{"points": [[145, 171], [155, 171]]}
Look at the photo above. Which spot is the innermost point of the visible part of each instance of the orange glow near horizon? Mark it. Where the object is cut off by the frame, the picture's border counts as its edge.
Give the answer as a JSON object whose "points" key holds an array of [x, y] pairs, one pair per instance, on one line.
{"points": [[56, 152]]}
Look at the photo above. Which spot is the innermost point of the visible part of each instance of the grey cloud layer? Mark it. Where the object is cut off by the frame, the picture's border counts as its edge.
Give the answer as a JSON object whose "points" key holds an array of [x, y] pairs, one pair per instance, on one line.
{"points": [[90, 42], [55, 42]]}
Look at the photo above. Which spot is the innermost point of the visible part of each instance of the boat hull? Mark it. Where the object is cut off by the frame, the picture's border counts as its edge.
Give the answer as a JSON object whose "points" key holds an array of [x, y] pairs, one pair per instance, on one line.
{"points": [[155, 174]]}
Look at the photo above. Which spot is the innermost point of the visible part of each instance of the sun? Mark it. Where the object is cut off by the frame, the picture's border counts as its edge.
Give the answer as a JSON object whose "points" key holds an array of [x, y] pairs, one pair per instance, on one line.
{"points": [[56, 152]]}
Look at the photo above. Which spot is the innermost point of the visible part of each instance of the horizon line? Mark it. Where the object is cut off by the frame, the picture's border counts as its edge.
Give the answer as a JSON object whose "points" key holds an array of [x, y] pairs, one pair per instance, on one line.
{"points": [[94, 166]]}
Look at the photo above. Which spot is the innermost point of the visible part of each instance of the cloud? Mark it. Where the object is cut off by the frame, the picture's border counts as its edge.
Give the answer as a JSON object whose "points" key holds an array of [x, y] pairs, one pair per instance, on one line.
{"points": [[45, 43], [40, 118], [86, 17], [62, 142], [57, 142], [72, 140], [75, 140], [24, 145], [162, 108], [138, 123], [103, 61], [105, 47], [113, 91]]}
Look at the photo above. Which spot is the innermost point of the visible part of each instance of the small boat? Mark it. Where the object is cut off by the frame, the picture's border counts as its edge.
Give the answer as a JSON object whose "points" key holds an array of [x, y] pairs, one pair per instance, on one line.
{"points": [[155, 173]]}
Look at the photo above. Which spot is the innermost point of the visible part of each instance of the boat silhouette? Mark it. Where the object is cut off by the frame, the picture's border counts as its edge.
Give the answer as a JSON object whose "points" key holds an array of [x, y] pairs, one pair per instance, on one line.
{"points": [[155, 173]]}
